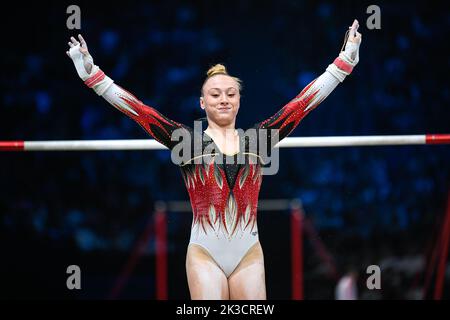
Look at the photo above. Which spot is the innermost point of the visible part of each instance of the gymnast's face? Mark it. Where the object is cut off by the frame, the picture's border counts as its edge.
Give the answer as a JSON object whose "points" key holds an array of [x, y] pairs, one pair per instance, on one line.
{"points": [[221, 99]]}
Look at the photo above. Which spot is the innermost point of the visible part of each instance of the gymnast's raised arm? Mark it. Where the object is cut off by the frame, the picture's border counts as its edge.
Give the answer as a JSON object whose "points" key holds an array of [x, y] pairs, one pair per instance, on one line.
{"points": [[288, 117], [156, 124]]}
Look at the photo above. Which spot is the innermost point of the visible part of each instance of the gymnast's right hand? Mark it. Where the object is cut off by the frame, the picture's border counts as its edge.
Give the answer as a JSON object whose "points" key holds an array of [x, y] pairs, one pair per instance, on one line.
{"points": [[80, 56]]}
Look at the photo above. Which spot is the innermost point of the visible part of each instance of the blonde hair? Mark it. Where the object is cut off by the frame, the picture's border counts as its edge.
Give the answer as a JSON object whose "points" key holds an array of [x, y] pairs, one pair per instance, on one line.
{"points": [[220, 69]]}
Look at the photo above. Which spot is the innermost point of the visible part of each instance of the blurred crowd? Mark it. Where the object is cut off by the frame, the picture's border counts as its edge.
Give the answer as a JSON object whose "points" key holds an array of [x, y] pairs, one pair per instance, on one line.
{"points": [[370, 205]]}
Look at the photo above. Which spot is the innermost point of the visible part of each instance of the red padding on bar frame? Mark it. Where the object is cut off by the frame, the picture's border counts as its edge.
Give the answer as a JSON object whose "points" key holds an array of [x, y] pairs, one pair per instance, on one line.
{"points": [[12, 145], [297, 253], [161, 254], [437, 139]]}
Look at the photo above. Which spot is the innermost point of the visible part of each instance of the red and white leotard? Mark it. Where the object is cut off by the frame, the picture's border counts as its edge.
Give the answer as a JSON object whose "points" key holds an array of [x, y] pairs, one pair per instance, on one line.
{"points": [[224, 197]]}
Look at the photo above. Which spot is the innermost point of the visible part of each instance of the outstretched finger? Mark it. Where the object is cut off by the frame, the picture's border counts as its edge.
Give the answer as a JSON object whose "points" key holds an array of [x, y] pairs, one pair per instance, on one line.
{"points": [[83, 43], [71, 44], [74, 41], [354, 28], [68, 54]]}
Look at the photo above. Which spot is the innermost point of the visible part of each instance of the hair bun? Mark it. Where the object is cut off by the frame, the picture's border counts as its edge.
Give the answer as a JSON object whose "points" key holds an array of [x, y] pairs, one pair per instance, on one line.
{"points": [[216, 69], [220, 69]]}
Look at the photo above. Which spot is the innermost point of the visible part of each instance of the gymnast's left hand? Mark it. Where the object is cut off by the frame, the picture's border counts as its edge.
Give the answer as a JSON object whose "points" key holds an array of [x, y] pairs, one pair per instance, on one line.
{"points": [[351, 51]]}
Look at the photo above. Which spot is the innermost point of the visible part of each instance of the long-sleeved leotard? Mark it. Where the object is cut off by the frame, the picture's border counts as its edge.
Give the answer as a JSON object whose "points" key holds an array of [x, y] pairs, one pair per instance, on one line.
{"points": [[152, 121], [287, 119], [224, 197]]}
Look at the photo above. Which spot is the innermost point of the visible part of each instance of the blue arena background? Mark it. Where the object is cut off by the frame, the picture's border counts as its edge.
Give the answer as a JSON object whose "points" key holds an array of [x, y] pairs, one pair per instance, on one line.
{"points": [[369, 205]]}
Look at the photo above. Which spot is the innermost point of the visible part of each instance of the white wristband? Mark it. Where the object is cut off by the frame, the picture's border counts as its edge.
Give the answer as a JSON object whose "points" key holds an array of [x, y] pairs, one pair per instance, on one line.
{"points": [[98, 81]]}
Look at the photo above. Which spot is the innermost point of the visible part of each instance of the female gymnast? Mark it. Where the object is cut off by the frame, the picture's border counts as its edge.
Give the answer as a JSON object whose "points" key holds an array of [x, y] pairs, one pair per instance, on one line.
{"points": [[224, 257]]}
